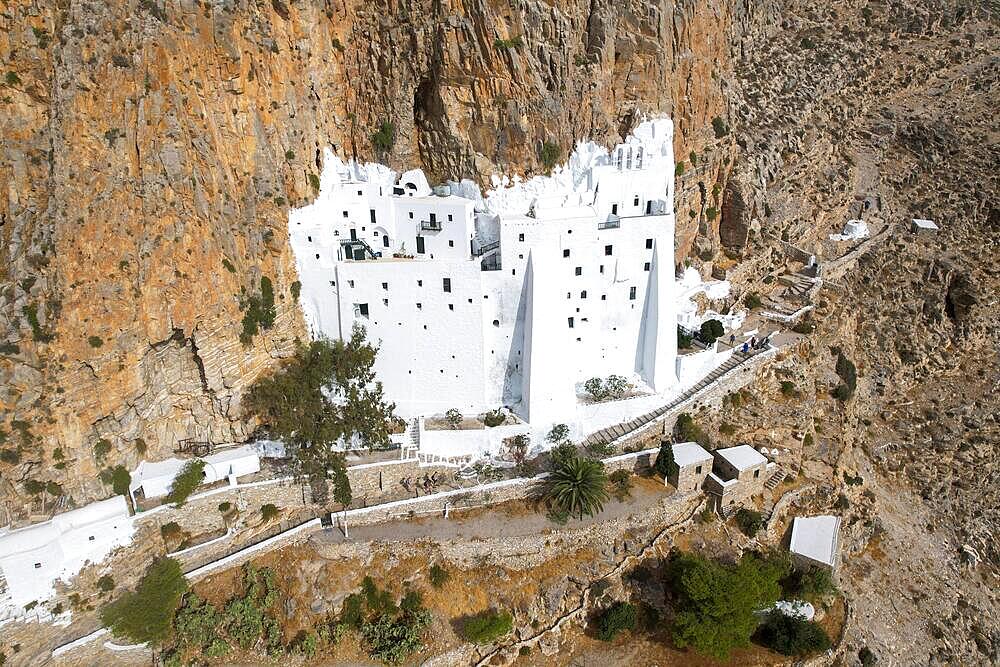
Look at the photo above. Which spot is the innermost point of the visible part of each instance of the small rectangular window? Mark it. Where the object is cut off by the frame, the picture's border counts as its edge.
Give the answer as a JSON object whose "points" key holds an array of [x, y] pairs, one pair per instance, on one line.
{"points": [[756, 473], [420, 283], [420, 306], [345, 214], [579, 270], [420, 245], [451, 306], [361, 310], [570, 322], [385, 285], [38, 566], [446, 283], [583, 294], [434, 217], [601, 269], [635, 202], [614, 209], [371, 215], [360, 193], [520, 237], [649, 244], [350, 283], [310, 239], [385, 302], [631, 293], [565, 252], [411, 215], [604, 297], [449, 217], [451, 244], [608, 250], [697, 470], [645, 267]]}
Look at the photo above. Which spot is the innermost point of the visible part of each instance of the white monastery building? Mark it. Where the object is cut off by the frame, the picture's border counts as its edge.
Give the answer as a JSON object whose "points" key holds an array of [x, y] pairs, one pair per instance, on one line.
{"points": [[514, 299], [33, 558]]}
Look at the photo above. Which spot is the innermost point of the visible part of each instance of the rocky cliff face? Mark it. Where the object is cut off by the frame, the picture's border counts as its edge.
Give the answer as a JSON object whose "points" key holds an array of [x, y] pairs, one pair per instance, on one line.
{"points": [[151, 150]]}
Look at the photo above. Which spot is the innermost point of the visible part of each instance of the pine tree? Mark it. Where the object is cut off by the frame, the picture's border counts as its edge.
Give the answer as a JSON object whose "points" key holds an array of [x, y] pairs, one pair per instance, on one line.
{"points": [[665, 465]]}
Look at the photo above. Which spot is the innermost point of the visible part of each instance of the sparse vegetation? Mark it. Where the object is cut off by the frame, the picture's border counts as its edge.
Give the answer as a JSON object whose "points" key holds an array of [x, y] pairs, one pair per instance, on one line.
{"points": [[619, 617], [95, 341], [296, 289], [788, 388], [719, 127], [621, 484], [106, 583], [687, 430], [752, 301], [679, 168], [514, 42], [749, 521], [12, 79], [147, 614], [550, 154], [494, 418], [102, 448], [453, 417], [314, 181], [268, 512], [38, 333], [614, 387], [258, 311], [120, 480], [438, 576], [187, 480], [384, 139], [228, 265], [848, 374], [488, 626]]}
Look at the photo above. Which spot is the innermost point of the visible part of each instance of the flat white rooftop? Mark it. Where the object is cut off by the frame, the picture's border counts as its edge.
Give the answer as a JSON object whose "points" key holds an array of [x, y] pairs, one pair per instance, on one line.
{"points": [[690, 453], [742, 457], [924, 224], [815, 537]]}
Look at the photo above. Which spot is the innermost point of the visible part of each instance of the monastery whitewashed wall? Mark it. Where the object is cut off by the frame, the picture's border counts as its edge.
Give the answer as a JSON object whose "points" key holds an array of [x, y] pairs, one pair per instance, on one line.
{"points": [[599, 298]]}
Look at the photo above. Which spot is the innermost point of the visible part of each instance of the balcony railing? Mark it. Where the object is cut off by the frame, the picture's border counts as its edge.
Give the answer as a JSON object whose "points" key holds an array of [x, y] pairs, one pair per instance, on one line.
{"points": [[430, 225], [613, 223]]}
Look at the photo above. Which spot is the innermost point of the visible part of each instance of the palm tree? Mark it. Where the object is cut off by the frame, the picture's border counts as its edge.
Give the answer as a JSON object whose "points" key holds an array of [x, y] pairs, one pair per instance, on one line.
{"points": [[577, 486]]}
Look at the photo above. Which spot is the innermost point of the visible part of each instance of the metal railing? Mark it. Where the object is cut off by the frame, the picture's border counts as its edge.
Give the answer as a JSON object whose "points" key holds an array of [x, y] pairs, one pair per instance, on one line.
{"points": [[610, 224], [489, 247], [430, 225]]}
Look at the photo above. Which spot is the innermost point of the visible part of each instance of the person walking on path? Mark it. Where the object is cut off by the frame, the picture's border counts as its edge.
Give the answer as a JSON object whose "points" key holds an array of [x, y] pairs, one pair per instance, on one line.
{"points": [[744, 348], [732, 340], [753, 343]]}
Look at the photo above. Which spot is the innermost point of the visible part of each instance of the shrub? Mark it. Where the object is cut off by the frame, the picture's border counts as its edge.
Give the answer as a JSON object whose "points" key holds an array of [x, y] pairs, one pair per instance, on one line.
{"points": [[217, 648], [268, 512], [102, 449], [791, 635], [140, 446], [812, 584], [848, 373], [296, 289], [95, 341], [752, 301], [577, 486], [147, 614], [694, 159], [289, 155], [453, 417], [595, 387], [558, 434], [616, 618], [385, 138], [488, 627], [33, 486], [683, 340], [120, 480], [710, 213], [170, 530], [749, 521], [225, 507], [10, 456], [196, 621], [725, 428], [494, 418], [686, 430], [549, 154], [866, 657], [12, 79], [621, 483], [616, 386], [562, 453], [788, 388], [715, 603], [438, 576], [186, 481], [515, 42], [711, 330], [228, 265], [106, 583], [719, 127], [679, 168], [38, 334]]}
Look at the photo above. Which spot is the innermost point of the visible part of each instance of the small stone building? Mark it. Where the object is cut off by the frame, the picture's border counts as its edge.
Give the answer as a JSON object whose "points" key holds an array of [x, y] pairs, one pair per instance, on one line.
{"points": [[815, 541], [738, 474], [923, 227], [693, 465]]}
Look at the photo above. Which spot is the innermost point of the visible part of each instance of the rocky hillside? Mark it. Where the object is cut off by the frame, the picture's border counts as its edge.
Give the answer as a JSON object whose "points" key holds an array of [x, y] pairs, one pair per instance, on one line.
{"points": [[151, 150]]}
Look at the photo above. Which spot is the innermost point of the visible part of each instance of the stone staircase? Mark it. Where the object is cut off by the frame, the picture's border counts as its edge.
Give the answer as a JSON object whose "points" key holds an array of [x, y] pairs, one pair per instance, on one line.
{"points": [[608, 435], [777, 478], [411, 445]]}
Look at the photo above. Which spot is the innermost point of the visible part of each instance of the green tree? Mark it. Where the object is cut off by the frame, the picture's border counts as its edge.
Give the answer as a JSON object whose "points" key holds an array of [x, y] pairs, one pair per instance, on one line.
{"points": [[120, 480], [438, 576], [550, 154], [687, 430], [621, 483], [749, 521], [147, 614], [711, 330], [665, 465], [324, 395], [385, 138], [577, 487], [715, 604], [791, 635], [454, 417], [558, 434]]}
